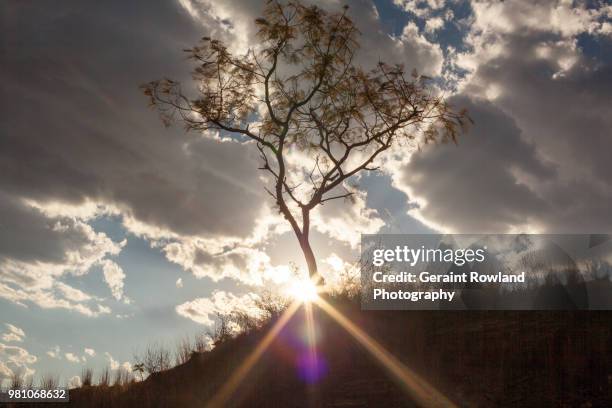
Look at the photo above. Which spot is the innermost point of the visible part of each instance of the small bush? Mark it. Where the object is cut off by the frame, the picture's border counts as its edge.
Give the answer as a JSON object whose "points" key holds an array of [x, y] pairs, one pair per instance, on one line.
{"points": [[87, 377], [183, 350], [104, 380]]}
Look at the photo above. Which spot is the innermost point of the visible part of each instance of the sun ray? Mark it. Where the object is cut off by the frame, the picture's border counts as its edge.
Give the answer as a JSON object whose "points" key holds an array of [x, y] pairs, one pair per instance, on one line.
{"points": [[419, 389], [304, 290], [311, 336], [240, 373]]}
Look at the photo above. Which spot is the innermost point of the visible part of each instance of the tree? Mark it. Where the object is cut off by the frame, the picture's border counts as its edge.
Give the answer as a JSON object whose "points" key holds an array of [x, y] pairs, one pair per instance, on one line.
{"points": [[140, 369], [301, 90]]}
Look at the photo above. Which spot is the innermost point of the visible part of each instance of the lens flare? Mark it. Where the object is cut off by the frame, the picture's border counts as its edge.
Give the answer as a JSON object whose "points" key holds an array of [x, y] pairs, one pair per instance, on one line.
{"points": [[311, 367], [422, 392], [229, 387], [304, 290]]}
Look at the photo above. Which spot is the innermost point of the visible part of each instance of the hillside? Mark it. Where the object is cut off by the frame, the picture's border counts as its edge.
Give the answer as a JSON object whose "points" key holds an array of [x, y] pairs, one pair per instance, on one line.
{"points": [[474, 358]]}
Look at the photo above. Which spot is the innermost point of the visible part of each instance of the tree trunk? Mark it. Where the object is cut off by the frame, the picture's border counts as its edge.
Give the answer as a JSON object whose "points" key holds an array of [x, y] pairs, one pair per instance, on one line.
{"points": [[303, 237], [309, 256]]}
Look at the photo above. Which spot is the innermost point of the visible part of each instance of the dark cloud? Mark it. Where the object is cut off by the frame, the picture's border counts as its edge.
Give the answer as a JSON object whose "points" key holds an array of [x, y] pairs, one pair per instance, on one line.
{"points": [[538, 156], [76, 132], [27, 235], [472, 187], [77, 126]]}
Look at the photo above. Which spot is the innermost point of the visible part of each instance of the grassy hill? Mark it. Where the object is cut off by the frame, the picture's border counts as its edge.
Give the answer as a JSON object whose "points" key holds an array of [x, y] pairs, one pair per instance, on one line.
{"points": [[474, 358]]}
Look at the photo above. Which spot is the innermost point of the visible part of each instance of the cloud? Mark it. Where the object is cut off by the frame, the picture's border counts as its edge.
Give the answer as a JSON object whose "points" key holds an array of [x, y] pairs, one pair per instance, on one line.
{"points": [[562, 18], [115, 365], [179, 283], [529, 86], [74, 382], [207, 258], [474, 187], [14, 333], [71, 293], [73, 358], [410, 48], [5, 371], [339, 272], [114, 276], [345, 220], [14, 359], [51, 298], [31, 241], [434, 24], [54, 352], [36, 250], [204, 310], [90, 352], [233, 23], [114, 157], [536, 159]]}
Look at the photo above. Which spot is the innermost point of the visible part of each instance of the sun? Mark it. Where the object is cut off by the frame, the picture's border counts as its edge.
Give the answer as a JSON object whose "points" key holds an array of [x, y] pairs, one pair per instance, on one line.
{"points": [[304, 290]]}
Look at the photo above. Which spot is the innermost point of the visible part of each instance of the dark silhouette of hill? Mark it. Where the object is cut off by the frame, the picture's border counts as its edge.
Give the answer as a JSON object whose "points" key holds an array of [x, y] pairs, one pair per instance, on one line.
{"points": [[475, 358]]}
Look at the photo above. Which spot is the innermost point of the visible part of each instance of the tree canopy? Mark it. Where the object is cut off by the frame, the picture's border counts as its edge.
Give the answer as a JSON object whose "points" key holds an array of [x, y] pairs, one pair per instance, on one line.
{"points": [[300, 90]]}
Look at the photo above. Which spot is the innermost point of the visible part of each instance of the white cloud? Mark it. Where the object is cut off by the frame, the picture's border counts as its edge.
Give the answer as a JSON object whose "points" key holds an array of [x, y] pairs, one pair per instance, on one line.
{"points": [[203, 310], [114, 277], [114, 364], [206, 258], [74, 382], [54, 352], [37, 250], [434, 24], [410, 48], [179, 283], [5, 371], [345, 220], [339, 271], [14, 333], [420, 8], [48, 299], [15, 358], [73, 358], [71, 293], [564, 18], [90, 352]]}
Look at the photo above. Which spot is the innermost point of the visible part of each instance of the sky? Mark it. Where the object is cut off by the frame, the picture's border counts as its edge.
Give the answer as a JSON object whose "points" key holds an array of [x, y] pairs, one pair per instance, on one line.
{"points": [[116, 232]]}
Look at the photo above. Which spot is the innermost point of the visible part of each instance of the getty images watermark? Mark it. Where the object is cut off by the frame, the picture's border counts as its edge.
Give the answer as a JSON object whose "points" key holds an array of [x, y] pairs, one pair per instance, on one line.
{"points": [[486, 272]]}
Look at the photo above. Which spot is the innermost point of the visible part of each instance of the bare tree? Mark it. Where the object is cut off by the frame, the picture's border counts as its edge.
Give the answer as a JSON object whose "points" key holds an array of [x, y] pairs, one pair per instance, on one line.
{"points": [[271, 305], [139, 368], [223, 330], [183, 350], [245, 321], [202, 342], [301, 89], [155, 359]]}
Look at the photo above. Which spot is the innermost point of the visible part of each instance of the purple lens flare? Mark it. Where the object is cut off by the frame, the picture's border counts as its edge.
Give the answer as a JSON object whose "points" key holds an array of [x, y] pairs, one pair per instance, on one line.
{"points": [[311, 366]]}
